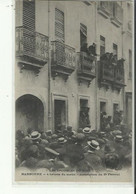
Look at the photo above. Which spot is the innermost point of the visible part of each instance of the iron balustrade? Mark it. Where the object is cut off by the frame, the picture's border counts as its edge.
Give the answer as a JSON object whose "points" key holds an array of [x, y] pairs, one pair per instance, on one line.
{"points": [[107, 72], [63, 55], [87, 63], [32, 45]]}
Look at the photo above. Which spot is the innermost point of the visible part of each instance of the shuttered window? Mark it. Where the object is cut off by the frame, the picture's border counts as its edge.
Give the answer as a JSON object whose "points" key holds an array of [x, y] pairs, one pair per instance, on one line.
{"points": [[102, 45], [59, 25], [29, 26], [83, 37], [29, 15]]}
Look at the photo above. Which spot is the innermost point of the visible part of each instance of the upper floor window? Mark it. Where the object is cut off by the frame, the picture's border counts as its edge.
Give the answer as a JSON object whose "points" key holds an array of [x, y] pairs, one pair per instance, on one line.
{"points": [[83, 38], [29, 15], [130, 64], [59, 25], [115, 50], [102, 45]]}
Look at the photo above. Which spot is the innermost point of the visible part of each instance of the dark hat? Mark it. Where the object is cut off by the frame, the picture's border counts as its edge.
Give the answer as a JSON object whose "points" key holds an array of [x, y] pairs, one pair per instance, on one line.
{"points": [[69, 128], [109, 149], [35, 135], [80, 136], [44, 142], [94, 144], [43, 136], [49, 132]]}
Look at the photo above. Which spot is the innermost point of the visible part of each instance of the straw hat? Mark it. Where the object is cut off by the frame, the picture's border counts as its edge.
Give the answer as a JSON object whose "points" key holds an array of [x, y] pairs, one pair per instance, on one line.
{"points": [[87, 130], [118, 138], [62, 140], [94, 144], [35, 135]]}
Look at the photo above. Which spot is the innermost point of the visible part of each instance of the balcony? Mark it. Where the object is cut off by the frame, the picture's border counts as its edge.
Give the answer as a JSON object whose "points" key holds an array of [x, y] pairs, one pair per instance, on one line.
{"points": [[119, 74], [31, 48], [104, 8], [117, 14], [111, 72], [63, 60], [86, 67]]}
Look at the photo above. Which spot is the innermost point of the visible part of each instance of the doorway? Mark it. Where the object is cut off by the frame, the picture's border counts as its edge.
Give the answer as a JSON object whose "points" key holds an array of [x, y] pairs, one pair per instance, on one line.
{"points": [[59, 113]]}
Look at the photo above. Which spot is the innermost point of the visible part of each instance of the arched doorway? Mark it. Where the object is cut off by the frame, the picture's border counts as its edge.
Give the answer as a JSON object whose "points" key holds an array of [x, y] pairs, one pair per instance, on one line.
{"points": [[29, 113]]}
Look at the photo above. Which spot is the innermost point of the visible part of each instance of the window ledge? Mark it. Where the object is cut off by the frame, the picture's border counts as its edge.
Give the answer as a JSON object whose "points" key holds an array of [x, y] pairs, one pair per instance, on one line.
{"points": [[116, 22], [87, 2]]}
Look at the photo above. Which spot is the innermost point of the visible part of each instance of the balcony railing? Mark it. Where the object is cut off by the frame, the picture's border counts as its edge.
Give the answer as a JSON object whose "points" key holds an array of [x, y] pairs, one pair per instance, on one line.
{"points": [[119, 72], [86, 67], [63, 59], [117, 16], [104, 8], [111, 71], [107, 72], [31, 46]]}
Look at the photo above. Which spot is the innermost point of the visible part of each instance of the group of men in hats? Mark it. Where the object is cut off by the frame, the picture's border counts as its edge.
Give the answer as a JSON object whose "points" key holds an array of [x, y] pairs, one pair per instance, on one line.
{"points": [[65, 149]]}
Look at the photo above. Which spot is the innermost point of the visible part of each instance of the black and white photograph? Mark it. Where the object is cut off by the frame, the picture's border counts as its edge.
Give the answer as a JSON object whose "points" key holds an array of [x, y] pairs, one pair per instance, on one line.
{"points": [[73, 91]]}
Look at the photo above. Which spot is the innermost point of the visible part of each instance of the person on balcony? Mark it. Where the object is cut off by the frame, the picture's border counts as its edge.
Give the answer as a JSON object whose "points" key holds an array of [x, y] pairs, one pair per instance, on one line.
{"points": [[92, 49]]}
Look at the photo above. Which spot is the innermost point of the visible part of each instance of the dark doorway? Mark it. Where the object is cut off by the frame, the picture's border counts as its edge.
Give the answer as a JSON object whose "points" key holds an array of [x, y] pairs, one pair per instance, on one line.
{"points": [[84, 118], [59, 113], [29, 113], [102, 113]]}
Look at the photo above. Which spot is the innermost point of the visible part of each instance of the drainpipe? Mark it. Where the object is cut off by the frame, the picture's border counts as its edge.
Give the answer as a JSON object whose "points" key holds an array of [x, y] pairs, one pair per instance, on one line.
{"points": [[123, 89], [49, 70], [96, 79]]}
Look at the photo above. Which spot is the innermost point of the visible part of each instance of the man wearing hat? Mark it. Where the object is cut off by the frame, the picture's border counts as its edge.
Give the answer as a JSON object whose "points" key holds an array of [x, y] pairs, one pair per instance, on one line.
{"points": [[84, 120], [75, 151], [61, 147], [93, 160]]}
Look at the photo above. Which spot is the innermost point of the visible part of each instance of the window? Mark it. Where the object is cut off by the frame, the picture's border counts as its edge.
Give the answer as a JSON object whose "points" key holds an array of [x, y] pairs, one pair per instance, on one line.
{"points": [[29, 15], [29, 26], [83, 37], [115, 50], [59, 25], [115, 110], [102, 45], [130, 64]]}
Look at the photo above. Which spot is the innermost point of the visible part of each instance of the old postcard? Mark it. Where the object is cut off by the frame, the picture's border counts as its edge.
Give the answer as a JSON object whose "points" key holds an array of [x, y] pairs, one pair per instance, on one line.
{"points": [[73, 91]]}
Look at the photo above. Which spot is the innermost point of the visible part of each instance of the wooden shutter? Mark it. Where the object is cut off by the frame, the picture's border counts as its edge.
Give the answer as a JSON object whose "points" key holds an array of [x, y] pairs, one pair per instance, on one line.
{"points": [[59, 25], [29, 26], [29, 15]]}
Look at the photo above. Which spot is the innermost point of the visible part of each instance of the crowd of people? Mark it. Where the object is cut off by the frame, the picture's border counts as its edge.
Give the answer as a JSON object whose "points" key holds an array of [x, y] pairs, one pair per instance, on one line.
{"points": [[82, 150]]}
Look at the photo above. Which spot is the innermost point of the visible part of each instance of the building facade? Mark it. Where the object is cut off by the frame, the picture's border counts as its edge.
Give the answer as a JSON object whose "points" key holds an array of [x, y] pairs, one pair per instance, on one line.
{"points": [[73, 60]]}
